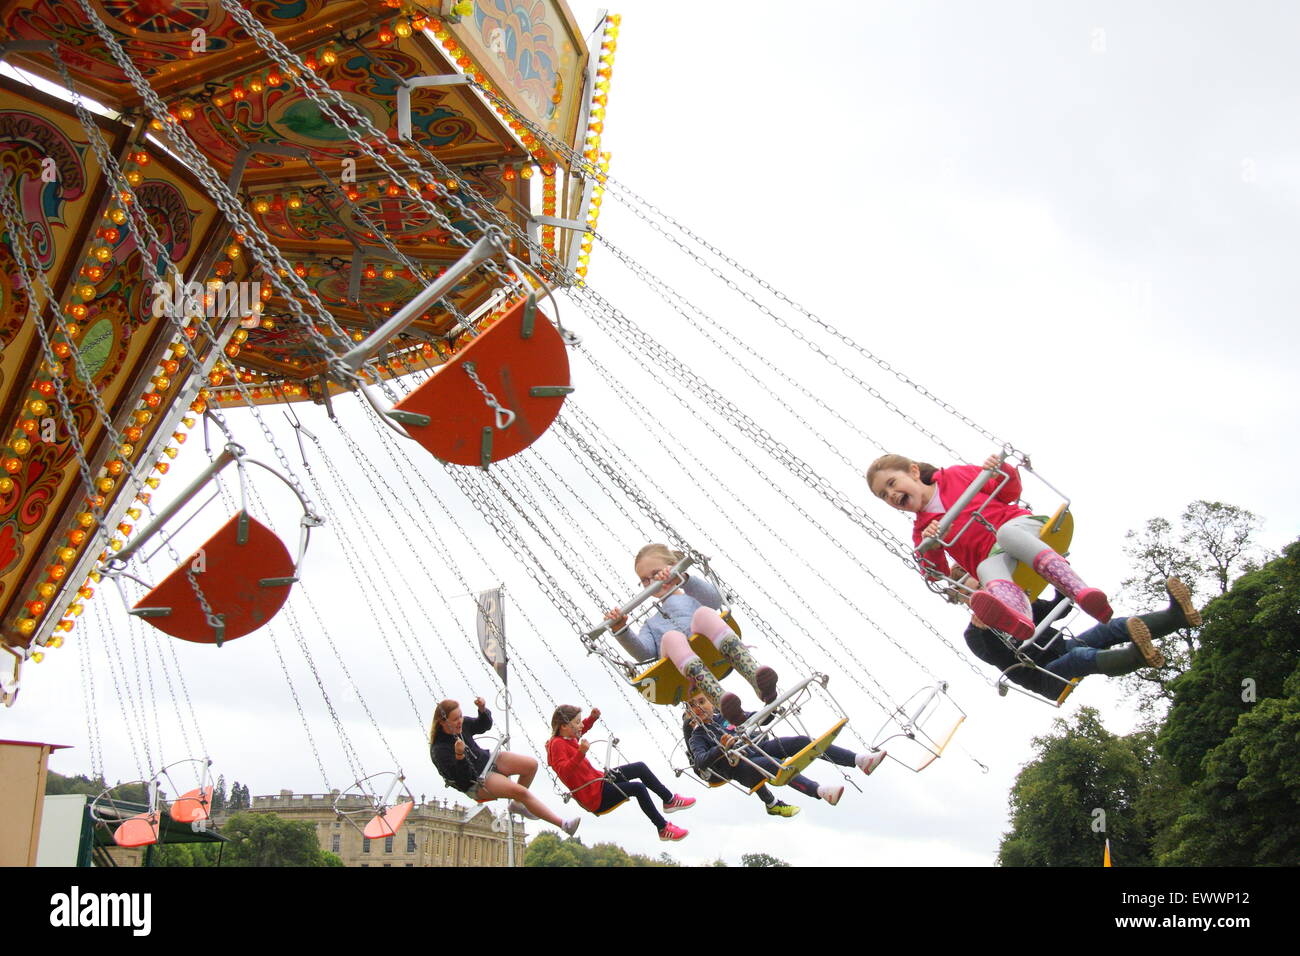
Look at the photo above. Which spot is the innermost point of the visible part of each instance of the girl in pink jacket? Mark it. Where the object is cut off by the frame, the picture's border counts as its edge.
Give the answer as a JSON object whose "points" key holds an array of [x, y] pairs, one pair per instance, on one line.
{"points": [[928, 492]]}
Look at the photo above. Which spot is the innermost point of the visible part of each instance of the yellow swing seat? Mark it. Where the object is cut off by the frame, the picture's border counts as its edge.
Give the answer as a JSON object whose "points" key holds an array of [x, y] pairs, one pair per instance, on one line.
{"points": [[1069, 689], [663, 683], [791, 767], [1057, 533]]}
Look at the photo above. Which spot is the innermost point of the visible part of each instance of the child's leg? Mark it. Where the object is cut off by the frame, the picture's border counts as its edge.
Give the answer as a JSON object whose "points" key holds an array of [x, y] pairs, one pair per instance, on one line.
{"points": [[516, 765], [497, 785], [1000, 603], [638, 792], [1019, 538], [639, 771], [709, 622], [677, 649]]}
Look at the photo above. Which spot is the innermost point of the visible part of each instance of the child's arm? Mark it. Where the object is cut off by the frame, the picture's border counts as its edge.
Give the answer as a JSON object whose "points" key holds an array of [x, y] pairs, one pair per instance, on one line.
{"points": [[1010, 492], [703, 752], [561, 755], [591, 719], [936, 559]]}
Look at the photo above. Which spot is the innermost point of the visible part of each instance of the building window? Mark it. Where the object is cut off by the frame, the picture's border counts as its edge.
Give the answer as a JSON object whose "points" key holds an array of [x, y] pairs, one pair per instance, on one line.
{"points": [[410, 864], [365, 845], [334, 843], [388, 845], [410, 842]]}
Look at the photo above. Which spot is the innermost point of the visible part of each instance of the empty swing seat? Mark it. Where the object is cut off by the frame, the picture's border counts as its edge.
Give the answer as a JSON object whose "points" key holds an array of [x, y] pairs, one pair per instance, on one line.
{"points": [[387, 824], [522, 361], [140, 830], [245, 573], [192, 806]]}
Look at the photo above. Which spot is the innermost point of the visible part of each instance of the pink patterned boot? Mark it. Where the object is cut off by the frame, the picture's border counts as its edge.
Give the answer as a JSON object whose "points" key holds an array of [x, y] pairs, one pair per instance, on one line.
{"points": [[1056, 571], [1004, 607]]}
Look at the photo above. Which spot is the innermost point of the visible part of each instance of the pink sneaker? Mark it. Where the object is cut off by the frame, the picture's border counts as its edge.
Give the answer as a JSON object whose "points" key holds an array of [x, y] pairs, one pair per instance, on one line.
{"points": [[672, 833], [678, 802]]}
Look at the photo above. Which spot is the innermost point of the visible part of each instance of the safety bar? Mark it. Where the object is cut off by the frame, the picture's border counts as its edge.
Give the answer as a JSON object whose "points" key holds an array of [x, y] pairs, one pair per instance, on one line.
{"points": [[953, 513], [230, 453], [649, 591], [477, 254], [759, 717]]}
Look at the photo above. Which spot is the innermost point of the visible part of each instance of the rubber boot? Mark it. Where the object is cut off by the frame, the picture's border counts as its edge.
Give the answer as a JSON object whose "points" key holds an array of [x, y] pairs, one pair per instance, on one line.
{"points": [[1140, 635], [1056, 571], [762, 679], [1180, 613], [704, 680], [1004, 607], [1120, 660]]}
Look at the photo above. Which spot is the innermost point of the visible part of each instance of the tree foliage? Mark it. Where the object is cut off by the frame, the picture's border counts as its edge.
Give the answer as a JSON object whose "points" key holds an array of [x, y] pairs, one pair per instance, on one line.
{"points": [[1081, 788], [265, 839], [760, 859], [549, 849], [1212, 542], [1216, 783]]}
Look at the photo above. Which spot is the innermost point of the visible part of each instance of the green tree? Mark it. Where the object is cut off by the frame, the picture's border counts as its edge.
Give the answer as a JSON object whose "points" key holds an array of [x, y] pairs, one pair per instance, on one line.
{"points": [[1081, 788], [1213, 542], [760, 859], [265, 839], [1232, 737], [549, 849], [219, 798]]}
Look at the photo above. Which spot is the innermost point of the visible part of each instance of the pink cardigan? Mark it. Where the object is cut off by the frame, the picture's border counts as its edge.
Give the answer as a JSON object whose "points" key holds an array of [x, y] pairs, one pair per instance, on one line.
{"points": [[976, 541]]}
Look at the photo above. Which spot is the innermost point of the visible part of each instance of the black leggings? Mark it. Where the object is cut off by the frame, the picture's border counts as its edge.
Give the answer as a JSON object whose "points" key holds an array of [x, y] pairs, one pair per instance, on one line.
{"points": [[625, 779], [781, 748]]}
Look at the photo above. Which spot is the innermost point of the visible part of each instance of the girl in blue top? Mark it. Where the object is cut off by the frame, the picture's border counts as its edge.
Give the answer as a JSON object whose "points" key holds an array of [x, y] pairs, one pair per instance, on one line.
{"points": [[685, 609]]}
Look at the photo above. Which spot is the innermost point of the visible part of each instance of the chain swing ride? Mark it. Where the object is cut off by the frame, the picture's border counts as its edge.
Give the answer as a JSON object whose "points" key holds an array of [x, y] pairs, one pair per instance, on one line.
{"points": [[412, 214]]}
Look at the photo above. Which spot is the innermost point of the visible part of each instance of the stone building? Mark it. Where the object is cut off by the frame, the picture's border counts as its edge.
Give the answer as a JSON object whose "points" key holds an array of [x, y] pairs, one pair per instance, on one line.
{"points": [[436, 833]]}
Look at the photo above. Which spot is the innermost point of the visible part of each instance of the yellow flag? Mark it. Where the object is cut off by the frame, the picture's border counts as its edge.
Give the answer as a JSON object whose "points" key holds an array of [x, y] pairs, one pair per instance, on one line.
{"points": [[1105, 860]]}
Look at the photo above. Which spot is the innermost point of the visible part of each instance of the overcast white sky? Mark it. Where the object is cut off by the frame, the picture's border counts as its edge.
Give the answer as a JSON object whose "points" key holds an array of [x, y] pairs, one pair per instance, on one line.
{"points": [[1077, 224]]}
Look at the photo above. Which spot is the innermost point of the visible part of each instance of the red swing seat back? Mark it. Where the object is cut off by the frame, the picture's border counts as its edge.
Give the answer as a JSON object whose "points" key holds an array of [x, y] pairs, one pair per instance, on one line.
{"points": [[192, 806], [231, 578], [139, 830], [386, 824], [512, 358]]}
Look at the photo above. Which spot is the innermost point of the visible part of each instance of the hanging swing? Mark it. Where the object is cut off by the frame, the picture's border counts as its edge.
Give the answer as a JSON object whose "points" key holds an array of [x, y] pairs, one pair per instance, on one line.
{"points": [[1029, 653], [232, 585], [383, 813], [1057, 531], [568, 795], [923, 725], [132, 824], [194, 805], [658, 680], [494, 397], [762, 726]]}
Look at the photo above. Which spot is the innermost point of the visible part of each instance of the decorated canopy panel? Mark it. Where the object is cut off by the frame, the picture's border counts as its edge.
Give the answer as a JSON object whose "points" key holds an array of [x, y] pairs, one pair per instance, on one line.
{"points": [[265, 154]]}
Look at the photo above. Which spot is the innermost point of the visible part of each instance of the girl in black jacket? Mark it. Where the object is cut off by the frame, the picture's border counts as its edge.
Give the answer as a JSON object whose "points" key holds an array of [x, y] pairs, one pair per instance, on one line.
{"points": [[461, 761]]}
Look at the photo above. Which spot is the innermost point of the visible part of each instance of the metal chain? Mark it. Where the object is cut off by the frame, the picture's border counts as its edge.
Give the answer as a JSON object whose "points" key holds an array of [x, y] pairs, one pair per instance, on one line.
{"points": [[639, 410], [297, 702], [581, 165], [742, 457]]}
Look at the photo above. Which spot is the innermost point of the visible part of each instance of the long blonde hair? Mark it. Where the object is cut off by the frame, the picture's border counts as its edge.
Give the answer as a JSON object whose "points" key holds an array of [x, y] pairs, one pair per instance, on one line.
{"points": [[658, 551]]}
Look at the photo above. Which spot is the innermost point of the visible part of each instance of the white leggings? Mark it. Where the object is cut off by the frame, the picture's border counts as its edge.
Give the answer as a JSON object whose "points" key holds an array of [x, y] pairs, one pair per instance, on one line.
{"points": [[1020, 542]]}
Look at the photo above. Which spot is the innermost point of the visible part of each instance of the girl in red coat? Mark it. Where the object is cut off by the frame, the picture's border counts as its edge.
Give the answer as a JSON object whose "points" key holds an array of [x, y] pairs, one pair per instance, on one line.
{"points": [[928, 492], [566, 752]]}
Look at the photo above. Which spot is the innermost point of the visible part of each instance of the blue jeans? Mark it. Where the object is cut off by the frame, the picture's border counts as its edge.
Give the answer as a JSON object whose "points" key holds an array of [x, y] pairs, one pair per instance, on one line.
{"points": [[1080, 656]]}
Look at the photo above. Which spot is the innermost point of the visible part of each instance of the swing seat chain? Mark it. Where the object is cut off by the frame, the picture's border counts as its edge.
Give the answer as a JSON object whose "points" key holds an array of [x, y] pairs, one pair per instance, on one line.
{"points": [[504, 416]]}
